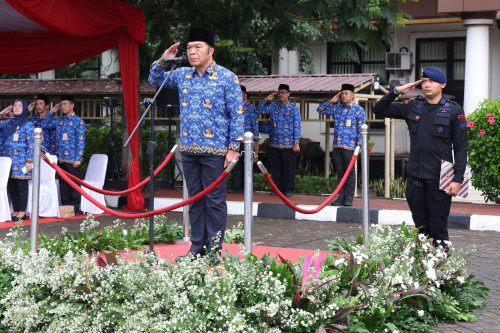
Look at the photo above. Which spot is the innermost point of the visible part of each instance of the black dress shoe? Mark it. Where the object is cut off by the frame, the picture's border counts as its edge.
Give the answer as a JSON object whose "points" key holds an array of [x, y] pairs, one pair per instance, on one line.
{"points": [[232, 190], [191, 256], [273, 193], [14, 218], [213, 259], [288, 194], [338, 202], [348, 203]]}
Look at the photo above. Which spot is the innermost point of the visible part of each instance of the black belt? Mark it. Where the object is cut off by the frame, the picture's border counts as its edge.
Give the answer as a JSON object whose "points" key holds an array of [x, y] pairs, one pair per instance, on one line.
{"points": [[416, 181]]}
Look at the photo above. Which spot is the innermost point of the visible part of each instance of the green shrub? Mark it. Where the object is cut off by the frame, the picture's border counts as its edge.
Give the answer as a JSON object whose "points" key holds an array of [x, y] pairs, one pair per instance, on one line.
{"points": [[378, 186], [397, 188], [315, 184], [484, 149], [303, 184], [161, 140], [97, 142]]}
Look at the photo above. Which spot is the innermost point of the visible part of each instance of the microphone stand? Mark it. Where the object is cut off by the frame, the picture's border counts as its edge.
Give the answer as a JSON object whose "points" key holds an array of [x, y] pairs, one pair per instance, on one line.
{"points": [[151, 151]]}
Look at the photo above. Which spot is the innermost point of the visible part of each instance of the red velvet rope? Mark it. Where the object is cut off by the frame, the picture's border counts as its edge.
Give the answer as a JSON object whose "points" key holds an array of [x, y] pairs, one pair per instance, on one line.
{"points": [[140, 215], [98, 190], [326, 202]]}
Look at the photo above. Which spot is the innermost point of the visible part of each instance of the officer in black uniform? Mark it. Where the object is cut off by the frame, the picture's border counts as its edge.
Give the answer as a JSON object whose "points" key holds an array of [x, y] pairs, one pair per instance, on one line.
{"points": [[438, 130]]}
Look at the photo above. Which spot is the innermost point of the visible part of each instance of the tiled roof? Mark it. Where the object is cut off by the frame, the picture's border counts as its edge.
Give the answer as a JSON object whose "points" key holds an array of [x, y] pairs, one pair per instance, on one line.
{"points": [[66, 86], [319, 83]]}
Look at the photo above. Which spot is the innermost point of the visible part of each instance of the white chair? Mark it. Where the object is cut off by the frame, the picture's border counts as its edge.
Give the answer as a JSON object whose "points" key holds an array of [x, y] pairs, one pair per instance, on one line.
{"points": [[95, 176], [48, 197], [5, 164]]}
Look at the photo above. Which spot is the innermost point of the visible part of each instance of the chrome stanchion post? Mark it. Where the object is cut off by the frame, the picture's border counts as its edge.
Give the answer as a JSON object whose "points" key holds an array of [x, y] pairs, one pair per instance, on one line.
{"points": [[185, 211], [35, 190], [248, 183], [364, 183]]}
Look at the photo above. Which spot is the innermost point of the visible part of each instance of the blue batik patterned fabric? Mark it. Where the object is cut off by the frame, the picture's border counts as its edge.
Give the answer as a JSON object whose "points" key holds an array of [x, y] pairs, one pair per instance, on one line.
{"points": [[348, 120], [284, 129], [251, 122], [211, 108], [70, 137], [49, 135], [20, 150]]}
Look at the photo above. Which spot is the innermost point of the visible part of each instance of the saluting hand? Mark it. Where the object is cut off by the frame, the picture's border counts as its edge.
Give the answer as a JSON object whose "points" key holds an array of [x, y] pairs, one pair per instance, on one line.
{"points": [[171, 52], [56, 108], [404, 89], [31, 106], [335, 98], [6, 110], [270, 97]]}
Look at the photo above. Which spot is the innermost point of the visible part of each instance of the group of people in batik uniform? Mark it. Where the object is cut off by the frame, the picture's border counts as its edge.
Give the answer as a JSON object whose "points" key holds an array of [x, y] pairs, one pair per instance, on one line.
{"points": [[63, 137]]}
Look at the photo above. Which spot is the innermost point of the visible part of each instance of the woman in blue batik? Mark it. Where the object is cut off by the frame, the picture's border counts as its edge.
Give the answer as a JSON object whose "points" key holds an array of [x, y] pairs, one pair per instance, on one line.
{"points": [[17, 138]]}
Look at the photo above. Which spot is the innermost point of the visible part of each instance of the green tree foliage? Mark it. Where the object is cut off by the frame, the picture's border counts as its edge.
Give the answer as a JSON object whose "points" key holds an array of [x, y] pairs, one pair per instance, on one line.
{"points": [[250, 31]]}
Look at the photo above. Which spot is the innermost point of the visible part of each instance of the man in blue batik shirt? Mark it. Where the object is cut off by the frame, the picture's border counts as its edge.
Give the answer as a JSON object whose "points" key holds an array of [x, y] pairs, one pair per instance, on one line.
{"points": [[284, 135], [211, 127], [70, 143], [41, 106], [250, 124], [348, 118]]}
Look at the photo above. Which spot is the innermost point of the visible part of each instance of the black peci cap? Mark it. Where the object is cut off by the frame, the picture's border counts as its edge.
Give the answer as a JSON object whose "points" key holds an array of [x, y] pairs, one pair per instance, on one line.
{"points": [[347, 86], [68, 98], [284, 87], [201, 35]]}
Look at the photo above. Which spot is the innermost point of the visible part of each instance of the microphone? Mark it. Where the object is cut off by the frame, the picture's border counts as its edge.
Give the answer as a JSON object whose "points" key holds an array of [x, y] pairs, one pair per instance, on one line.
{"points": [[182, 60]]}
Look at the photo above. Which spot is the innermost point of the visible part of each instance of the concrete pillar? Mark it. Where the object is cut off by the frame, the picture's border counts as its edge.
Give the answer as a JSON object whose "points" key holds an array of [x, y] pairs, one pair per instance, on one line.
{"points": [[288, 62], [477, 63], [283, 62], [48, 75], [110, 62]]}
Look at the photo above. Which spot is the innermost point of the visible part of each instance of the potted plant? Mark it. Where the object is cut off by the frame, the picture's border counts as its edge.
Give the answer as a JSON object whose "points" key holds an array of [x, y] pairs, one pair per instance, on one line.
{"points": [[370, 143]]}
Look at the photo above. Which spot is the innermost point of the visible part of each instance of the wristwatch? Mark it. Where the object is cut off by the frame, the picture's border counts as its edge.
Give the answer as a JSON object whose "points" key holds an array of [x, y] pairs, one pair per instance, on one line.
{"points": [[396, 91]]}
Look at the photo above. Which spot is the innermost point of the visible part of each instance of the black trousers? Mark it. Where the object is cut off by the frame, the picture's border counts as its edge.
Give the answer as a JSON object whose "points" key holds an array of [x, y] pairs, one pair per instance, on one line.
{"points": [[341, 159], [238, 172], [282, 165], [18, 191], [69, 196], [430, 208], [208, 215]]}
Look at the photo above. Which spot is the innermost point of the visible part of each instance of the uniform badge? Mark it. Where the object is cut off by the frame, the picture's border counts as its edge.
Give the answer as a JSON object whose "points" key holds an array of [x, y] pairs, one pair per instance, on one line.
{"points": [[207, 103], [208, 133]]}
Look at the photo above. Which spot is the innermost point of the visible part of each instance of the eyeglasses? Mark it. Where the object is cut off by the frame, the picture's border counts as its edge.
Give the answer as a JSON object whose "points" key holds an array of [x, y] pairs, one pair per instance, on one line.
{"points": [[282, 92]]}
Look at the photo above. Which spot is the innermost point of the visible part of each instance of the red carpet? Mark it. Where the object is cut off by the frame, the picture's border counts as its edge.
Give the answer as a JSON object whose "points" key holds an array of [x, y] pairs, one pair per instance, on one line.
{"points": [[42, 220], [172, 251]]}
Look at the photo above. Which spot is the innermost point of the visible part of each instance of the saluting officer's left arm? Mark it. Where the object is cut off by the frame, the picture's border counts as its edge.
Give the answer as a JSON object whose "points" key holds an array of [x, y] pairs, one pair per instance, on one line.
{"points": [[459, 140]]}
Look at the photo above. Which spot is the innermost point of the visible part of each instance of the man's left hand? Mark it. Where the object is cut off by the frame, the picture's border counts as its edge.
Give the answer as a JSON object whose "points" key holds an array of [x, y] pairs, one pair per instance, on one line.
{"points": [[76, 164], [230, 156], [453, 189], [296, 148]]}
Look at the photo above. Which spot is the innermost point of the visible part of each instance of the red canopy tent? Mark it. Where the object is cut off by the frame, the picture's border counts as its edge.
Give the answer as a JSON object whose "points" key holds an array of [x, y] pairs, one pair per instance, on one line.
{"points": [[40, 35]]}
